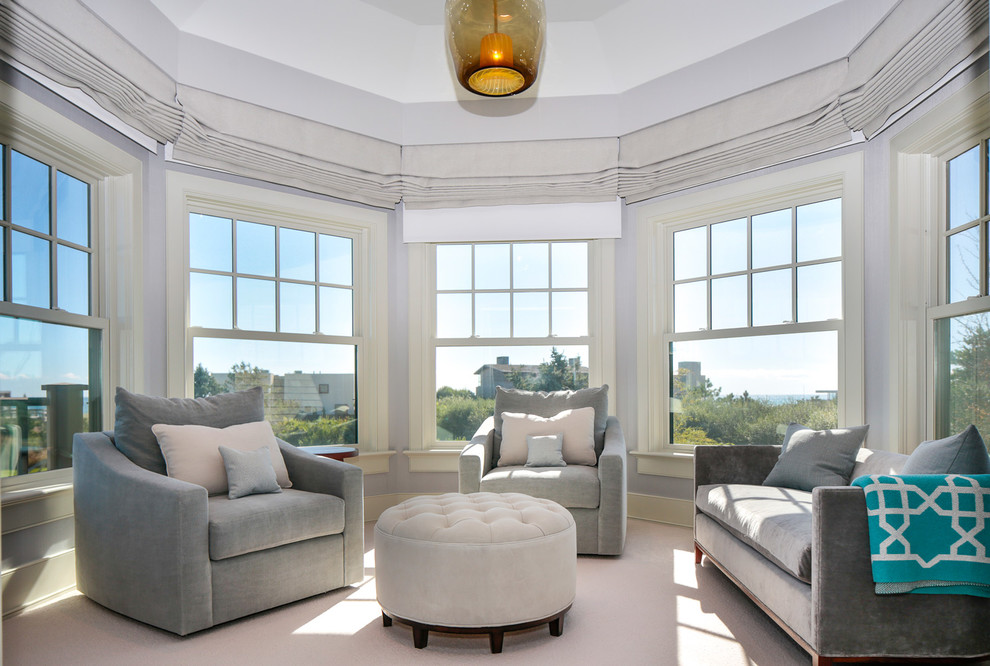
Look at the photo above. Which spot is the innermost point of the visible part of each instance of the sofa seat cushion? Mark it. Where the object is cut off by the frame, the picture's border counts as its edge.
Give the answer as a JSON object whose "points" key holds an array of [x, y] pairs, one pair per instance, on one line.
{"points": [[259, 522], [774, 521], [574, 486]]}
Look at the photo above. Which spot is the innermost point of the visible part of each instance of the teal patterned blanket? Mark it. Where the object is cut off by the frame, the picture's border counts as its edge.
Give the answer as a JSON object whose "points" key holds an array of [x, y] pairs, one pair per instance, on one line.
{"points": [[929, 533]]}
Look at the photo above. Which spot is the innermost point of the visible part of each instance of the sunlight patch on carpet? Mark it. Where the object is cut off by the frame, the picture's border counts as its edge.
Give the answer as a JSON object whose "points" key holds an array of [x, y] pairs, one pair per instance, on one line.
{"points": [[347, 617]]}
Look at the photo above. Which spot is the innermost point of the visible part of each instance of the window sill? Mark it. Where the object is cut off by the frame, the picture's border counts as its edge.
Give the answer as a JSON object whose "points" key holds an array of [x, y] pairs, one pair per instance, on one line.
{"points": [[664, 463], [373, 463], [436, 460], [28, 487]]}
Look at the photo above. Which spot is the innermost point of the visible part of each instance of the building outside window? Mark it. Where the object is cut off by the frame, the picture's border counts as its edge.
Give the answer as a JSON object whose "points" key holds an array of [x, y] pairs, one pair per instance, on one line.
{"points": [[255, 278], [961, 319], [51, 339]]}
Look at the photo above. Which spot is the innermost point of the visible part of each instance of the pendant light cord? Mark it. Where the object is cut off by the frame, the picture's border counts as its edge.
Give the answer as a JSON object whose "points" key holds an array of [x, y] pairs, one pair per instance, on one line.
{"points": [[495, 14]]}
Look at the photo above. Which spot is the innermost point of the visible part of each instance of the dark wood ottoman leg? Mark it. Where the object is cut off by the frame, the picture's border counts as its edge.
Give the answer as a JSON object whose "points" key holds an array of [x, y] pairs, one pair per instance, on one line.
{"points": [[495, 641], [557, 626], [420, 636], [386, 620]]}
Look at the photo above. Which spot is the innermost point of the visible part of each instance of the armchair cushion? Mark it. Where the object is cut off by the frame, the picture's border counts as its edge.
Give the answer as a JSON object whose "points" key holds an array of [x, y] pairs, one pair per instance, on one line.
{"points": [[545, 404], [249, 472], [577, 426], [573, 487], [137, 413], [192, 452], [261, 522]]}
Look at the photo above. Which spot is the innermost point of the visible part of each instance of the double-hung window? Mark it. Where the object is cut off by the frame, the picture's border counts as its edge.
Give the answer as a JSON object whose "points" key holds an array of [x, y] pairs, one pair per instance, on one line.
{"points": [[51, 344], [66, 206], [753, 290], [961, 318], [280, 292], [526, 314]]}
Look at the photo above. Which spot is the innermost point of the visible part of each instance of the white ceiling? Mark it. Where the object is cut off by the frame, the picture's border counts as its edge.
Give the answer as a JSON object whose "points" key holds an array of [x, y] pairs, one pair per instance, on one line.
{"points": [[395, 49], [380, 67]]}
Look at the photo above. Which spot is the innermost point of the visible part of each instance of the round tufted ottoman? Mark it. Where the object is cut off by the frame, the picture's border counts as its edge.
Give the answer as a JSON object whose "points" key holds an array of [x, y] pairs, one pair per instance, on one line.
{"points": [[479, 563]]}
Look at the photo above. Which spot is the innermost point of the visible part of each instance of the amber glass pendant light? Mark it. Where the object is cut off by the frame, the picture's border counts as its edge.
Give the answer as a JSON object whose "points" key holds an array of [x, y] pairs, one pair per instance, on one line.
{"points": [[496, 45]]}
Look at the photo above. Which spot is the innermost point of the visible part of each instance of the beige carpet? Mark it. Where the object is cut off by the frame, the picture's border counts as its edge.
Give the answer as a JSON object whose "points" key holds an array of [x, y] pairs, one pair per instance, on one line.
{"points": [[650, 606]]}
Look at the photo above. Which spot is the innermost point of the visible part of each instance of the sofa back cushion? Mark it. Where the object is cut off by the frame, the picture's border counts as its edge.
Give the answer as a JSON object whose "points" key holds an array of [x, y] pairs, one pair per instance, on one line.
{"points": [[871, 461], [137, 413], [962, 453], [541, 403]]}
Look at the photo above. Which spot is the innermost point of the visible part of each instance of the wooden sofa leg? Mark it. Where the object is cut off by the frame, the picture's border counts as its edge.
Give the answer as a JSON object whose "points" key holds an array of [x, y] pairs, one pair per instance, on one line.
{"points": [[697, 554], [818, 660]]}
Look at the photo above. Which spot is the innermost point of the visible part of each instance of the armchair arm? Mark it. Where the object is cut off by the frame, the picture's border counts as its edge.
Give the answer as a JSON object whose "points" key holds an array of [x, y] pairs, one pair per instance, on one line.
{"points": [[476, 458], [333, 477], [142, 539], [733, 464], [850, 619], [612, 479]]}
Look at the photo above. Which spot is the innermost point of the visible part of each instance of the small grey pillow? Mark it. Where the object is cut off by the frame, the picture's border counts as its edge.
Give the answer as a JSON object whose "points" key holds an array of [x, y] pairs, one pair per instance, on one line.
{"points": [[817, 458], [962, 453], [249, 472], [545, 450]]}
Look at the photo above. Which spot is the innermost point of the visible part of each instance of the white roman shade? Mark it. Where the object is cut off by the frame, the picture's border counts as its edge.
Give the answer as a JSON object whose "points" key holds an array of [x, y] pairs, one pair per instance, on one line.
{"points": [[918, 43], [250, 140], [567, 221], [518, 172]]}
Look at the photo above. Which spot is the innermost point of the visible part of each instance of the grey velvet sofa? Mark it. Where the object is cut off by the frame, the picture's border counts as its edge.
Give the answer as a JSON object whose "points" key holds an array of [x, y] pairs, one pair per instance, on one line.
{"points": [[594, 495], [162, 551], [804, 559]]}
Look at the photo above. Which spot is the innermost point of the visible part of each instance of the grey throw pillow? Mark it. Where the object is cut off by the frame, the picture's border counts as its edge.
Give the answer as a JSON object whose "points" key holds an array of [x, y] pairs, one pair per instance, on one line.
{"points": [[817, 458], [545, 450], [249, 472], [137, 413], [962, 453], [541, 403], [791, 429]]}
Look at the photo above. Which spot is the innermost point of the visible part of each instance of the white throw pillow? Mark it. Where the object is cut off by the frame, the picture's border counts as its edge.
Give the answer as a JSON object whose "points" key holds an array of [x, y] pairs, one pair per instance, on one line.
{"points": [[578, 426], [192, 452]]}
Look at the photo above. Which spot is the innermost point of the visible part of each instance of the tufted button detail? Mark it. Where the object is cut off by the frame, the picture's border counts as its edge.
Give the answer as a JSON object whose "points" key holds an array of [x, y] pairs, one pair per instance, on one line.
{"points": [[475, 518]]}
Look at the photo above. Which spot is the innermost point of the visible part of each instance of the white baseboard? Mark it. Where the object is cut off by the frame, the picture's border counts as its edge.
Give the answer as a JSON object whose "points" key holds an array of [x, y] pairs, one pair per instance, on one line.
{"points": [[34, 582], [661, 509]]}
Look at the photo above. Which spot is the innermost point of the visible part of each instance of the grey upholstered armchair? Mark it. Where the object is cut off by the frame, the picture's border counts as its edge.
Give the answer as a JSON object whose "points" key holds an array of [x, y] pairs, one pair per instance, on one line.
{"points": [[163, 551], [594, 494]]}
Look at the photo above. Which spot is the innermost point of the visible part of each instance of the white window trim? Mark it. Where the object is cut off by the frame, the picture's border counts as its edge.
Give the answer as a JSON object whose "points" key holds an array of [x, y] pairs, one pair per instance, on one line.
{"points": [[833, 177], [115, 179], [186, 193], [426, 454], [917, 167]]}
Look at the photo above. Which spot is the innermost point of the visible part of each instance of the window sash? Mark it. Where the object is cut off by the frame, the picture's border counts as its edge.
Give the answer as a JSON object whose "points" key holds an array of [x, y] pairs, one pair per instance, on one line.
{"points": [[838, 177], [365, 228], [423, 380]]}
